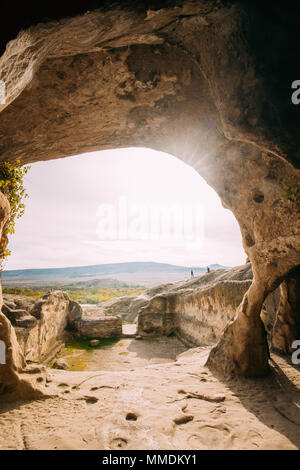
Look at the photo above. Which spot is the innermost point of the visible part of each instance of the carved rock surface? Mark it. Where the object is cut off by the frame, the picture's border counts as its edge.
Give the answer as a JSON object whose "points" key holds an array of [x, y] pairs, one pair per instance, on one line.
{"points": [[287, 326], [198, 310], [40, 325], [100, 327]]}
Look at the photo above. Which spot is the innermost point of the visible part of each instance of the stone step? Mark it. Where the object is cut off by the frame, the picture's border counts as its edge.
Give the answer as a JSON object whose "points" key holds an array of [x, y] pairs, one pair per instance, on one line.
{"points": [[128, 335]]}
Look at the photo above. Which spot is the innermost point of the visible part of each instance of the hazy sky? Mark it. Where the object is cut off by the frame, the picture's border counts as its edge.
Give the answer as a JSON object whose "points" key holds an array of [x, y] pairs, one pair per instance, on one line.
{"points": [[102, 207]]}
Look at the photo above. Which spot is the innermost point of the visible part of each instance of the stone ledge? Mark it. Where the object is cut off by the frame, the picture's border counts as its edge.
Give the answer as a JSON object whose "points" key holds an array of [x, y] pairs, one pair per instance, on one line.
{"points": [[106, 327]]}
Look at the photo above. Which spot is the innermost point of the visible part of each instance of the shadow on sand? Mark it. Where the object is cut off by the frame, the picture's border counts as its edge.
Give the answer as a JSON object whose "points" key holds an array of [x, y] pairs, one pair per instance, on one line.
{"points": [[274, 400]]}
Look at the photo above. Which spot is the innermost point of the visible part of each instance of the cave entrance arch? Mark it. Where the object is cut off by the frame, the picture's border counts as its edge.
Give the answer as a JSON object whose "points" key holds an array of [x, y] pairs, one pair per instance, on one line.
{"points": [[129, 205], [165, 80]]}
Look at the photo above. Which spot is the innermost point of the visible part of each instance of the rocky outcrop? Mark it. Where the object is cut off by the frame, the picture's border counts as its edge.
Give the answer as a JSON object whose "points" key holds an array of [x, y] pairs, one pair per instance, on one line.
{"points": [[75, 313], [203, 314], [92, 323], [129, 307], [126, 307], [287, 326], [195, 79], [100, 327], [198, 310], [19, 317], [157, 318], [39, 325]]}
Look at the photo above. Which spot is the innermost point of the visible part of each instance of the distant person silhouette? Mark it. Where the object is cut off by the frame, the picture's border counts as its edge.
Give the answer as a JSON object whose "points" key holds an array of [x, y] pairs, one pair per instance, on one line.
{"points": [[192, 273], [208, 269]]}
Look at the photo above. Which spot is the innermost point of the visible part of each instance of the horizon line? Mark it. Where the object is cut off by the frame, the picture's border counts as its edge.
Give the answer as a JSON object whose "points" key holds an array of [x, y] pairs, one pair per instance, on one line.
{"points": [[110, 264]]}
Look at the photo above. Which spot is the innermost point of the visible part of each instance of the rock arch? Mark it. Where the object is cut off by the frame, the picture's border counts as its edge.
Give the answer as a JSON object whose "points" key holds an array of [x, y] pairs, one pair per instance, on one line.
{"points": [[188, 78]]}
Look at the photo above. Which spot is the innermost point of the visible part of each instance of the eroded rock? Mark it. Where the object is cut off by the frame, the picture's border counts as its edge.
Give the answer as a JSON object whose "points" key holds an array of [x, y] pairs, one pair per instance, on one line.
{"points": [[100, 327], [287, 326], [60, 364], [40, 330], [198, 310]]}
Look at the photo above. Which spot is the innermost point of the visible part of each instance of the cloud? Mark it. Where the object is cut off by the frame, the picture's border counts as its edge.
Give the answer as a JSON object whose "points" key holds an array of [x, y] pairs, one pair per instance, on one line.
{"points": [[59, 227]]}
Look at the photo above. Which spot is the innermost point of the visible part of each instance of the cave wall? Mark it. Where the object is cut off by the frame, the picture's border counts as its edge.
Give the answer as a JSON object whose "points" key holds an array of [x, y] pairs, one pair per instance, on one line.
{"points": [[201, 316], [198, 314], [39, 325], [287, 325], [46, 338]]}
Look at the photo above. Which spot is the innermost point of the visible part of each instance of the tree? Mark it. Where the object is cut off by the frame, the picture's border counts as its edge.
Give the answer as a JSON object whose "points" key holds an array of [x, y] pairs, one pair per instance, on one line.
{"points": [[11, 185]]}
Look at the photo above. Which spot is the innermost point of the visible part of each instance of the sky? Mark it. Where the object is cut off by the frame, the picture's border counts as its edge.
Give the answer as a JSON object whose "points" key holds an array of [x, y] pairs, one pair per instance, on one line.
{"points": [[114, 206]]}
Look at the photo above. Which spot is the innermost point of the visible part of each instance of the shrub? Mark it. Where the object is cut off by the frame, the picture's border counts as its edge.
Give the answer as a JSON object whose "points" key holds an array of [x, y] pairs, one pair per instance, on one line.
{"points": [[11, 185]]}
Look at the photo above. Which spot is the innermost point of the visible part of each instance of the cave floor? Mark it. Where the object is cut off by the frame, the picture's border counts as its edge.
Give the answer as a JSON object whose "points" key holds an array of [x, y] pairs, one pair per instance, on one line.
{"points": [[123, 354], [174, 405]]}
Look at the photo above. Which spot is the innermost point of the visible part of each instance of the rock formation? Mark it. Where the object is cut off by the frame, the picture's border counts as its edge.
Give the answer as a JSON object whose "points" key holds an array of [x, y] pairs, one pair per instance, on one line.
{"points": [[39, 325], [287, 326], [93, 324], [42, 326], [198, 79], [127, 307], [198, 310]]}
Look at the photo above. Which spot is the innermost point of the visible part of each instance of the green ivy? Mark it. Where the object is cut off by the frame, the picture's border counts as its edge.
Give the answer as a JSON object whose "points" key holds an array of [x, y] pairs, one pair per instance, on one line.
{"points": [[11, 185]]}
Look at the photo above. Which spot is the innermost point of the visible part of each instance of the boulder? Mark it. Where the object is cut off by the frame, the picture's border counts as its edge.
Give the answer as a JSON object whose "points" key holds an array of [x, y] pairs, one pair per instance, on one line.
{"points": [[101, 327], [75, 313], [18, 317], [60, 364], [127, 307]]}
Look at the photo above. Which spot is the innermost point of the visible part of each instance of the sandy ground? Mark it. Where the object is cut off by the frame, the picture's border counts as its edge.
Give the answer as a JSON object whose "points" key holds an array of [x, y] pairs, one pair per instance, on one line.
{"points": [[125, 354], [174, 405]]}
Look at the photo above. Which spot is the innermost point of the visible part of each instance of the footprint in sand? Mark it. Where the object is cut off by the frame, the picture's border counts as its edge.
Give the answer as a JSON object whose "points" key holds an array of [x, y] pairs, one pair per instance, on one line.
{"points": [[118, 443], [210, 437]]}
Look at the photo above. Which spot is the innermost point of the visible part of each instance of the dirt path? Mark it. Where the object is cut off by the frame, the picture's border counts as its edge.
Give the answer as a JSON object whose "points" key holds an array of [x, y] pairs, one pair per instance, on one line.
{"points": [[175, 405]]}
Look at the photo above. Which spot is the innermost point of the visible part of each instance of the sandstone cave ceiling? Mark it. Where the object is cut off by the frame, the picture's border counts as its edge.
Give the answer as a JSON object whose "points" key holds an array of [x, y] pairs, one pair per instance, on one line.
{"points": [[271, 33]]}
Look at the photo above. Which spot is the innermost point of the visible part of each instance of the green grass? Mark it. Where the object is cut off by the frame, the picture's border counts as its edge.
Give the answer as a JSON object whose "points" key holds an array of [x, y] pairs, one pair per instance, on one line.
{"points": [[83, 296], [84, 344], [80, 361]]}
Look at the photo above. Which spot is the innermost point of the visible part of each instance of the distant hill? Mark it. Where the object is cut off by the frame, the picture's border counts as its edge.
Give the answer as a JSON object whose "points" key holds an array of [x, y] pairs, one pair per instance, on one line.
{"points": [[106, 283], [143, 273]]}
